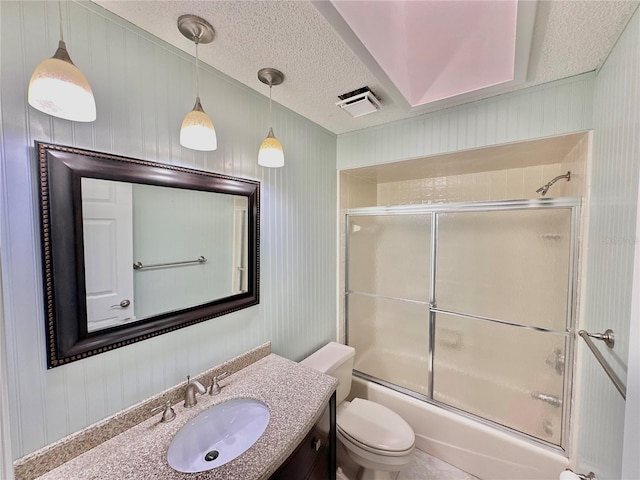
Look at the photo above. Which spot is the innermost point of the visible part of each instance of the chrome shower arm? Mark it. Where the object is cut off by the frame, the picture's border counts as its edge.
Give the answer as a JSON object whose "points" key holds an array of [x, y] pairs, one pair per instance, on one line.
{"points": [[543, 190]]}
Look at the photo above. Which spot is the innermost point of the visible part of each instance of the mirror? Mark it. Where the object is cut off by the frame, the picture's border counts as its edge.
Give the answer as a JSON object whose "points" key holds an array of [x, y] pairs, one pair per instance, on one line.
{"points": [[133, 249]]}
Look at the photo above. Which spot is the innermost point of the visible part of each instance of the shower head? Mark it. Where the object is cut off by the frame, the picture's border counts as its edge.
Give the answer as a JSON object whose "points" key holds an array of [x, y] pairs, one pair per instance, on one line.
{"points": [[545, 188]]}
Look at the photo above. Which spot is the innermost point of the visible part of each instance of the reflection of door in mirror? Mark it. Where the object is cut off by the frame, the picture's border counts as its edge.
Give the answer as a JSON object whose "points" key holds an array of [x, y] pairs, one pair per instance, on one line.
{"points": [[240, 246], [108, 231]]}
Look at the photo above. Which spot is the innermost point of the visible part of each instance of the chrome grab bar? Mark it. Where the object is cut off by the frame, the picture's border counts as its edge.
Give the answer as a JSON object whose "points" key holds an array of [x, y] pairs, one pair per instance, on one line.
{"points": [[608, 338], [140, 266]]}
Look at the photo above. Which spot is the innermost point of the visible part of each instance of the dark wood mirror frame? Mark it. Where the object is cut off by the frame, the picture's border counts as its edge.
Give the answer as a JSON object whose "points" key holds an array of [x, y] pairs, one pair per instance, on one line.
{"points": [[60, 172]]}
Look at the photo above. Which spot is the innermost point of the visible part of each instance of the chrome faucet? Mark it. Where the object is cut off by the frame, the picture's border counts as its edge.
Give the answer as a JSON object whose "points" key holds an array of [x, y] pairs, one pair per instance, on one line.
{"points": [[193, 386], [552, 400]]}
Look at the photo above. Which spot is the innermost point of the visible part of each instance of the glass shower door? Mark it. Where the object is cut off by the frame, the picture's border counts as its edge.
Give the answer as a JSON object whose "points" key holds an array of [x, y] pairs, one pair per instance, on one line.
{"points": [[502, 289], [468, 306], [389, 281]]}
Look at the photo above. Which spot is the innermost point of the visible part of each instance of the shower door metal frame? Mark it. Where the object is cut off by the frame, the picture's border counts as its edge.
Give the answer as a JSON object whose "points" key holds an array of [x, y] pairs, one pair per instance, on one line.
{"points": [[569, 333]]}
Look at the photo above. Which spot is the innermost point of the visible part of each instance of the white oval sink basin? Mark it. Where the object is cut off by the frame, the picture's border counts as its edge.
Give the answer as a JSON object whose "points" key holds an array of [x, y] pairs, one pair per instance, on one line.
{"points": [[218, 435]]}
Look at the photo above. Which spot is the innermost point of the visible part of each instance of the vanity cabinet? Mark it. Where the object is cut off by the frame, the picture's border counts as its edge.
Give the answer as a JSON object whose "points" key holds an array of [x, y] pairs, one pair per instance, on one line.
{"points": [[315, 457]]}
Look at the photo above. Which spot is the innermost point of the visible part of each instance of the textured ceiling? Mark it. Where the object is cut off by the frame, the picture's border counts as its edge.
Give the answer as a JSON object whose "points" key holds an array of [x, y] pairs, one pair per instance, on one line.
{"points": [[569, 38]]}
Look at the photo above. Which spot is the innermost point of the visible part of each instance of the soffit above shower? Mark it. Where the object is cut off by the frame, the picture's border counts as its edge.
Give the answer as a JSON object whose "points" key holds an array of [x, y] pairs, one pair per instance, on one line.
{"points": [[432, 51], [545, 151]]}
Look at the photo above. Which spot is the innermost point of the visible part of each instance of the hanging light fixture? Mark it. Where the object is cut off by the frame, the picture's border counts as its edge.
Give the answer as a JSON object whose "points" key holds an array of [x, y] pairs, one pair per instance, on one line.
{"points": [[58, 88], [197, 131], [271, 153]]}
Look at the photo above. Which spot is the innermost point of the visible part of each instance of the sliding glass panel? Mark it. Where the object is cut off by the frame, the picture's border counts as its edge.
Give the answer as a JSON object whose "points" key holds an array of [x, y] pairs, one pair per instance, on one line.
{"points": [[508, 265], [510, 375], [391, 339], [389, 255]]}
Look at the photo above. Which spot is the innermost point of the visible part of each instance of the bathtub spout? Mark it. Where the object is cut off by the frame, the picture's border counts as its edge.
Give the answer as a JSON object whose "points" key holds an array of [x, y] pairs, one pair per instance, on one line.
{"points": [[550, 399]]}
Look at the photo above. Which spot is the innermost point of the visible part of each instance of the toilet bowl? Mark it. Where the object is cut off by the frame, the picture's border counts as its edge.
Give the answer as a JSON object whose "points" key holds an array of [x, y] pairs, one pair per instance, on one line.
{"points": [[377, 439]]}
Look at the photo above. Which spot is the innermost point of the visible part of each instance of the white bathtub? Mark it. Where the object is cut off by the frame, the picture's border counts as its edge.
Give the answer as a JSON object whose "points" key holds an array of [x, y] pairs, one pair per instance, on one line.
{"points": [[476, 448]]}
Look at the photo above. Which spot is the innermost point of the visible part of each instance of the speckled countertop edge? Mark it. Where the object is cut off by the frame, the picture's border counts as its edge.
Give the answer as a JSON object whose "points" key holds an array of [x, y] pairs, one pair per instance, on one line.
{"points": [[55, 454], [294, 394]]}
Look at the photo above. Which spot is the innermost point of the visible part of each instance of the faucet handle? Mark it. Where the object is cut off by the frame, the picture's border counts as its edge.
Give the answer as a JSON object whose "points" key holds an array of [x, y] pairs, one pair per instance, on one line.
{"points": [[168, 413], [215, 388]]}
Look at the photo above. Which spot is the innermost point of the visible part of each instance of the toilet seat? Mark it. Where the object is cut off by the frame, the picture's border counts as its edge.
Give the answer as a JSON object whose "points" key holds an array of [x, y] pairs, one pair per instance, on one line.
{"points": [[375, 428], [353, 443]]}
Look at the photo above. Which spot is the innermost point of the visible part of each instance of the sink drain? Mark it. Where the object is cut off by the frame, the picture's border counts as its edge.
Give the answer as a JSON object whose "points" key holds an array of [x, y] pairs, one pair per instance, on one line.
{"points": [[211, 456]]}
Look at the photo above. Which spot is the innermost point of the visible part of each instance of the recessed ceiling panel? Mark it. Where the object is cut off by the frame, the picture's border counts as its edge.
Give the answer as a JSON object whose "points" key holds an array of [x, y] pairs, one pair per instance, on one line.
{"points": [[432, 50]]}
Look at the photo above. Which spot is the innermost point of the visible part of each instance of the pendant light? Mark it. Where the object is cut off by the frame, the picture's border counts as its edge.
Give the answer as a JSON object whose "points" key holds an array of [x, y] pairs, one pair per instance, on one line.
{"points": [[197, 131], [271, 153], [58, 88]]}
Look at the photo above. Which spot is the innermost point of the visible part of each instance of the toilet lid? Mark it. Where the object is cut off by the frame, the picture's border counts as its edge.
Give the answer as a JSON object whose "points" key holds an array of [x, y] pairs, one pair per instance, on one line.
{"points": [[375, 425]]}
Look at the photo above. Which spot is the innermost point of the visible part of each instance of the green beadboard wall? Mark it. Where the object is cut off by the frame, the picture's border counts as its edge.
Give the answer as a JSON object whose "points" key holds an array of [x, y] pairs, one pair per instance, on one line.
{"points": [[610, 255], [143, 88]]}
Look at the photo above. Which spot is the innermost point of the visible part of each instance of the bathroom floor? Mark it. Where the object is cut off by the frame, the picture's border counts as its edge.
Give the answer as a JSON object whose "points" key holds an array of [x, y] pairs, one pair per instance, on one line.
{"points": [[426, 467], [423, 467]]}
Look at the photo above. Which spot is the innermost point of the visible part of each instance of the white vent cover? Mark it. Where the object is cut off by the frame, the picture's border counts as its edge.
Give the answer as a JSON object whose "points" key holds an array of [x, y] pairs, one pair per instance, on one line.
{"points": [[359, 104]]}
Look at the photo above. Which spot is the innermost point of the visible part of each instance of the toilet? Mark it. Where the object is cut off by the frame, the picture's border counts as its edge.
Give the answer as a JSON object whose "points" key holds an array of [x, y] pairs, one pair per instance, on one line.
{"points": [[377, 439]]}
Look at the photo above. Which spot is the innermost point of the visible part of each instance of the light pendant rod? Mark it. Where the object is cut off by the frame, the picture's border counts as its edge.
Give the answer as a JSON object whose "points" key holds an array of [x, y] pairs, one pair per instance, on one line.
{"points": [[197, 70], [271, 153], [270, 110], [60, 18], [197, 131]]}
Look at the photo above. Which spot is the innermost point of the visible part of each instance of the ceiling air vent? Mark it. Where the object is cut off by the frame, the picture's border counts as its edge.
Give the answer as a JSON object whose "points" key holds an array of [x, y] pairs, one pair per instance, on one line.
{"points": [[359, 102]]}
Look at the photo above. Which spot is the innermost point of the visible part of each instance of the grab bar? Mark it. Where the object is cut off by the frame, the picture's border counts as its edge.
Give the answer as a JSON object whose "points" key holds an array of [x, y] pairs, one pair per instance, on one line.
{"points": [[140, 266], [608, 338]]}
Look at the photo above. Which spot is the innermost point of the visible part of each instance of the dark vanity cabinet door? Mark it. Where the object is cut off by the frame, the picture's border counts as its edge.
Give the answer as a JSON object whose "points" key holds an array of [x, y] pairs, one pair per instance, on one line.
{"points": [[315, 457]]}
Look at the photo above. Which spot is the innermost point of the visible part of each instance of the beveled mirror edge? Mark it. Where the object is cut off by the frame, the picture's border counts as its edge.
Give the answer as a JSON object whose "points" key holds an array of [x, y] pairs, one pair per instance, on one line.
{"points": [[66, 339]]}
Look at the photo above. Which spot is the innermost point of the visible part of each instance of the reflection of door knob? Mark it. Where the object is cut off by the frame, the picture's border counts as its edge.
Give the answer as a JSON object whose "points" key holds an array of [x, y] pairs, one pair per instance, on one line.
{"points": [[123, 304]]}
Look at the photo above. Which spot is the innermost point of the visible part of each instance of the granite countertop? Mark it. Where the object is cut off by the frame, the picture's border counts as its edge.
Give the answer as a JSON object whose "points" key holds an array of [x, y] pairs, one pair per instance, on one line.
{"points": [[295, 395]]}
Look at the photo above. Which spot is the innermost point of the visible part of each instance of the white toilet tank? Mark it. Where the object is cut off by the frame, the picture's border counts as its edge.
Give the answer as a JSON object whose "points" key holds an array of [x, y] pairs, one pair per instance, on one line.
{"points": [[336, 360]]}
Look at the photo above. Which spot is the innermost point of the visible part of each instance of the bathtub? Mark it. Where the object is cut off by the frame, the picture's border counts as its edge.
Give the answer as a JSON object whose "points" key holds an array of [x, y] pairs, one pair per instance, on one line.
{"points": [[472, 446]]}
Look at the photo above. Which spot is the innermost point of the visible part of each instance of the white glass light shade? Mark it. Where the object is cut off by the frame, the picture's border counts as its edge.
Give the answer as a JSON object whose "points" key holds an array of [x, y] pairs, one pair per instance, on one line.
{"points": [[58, 88], [271, 153], [197, 131]]}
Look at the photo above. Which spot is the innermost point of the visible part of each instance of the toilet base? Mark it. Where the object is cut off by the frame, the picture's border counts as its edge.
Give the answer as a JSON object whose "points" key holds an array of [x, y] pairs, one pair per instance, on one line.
{"points": [[349, 469], [368, 474]]}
